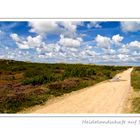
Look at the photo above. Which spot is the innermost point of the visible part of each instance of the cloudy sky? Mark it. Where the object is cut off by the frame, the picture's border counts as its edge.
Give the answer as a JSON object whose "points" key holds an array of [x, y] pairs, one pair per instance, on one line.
{"points": [[71, 42]]}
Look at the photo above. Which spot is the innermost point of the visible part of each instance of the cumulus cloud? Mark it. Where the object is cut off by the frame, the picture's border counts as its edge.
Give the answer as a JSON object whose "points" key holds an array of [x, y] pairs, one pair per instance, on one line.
{"points": [[34, 41], [134, 44], [23, 46], [29, 42], [94, 24], [130, 48], [110, 52], [117, 38], [129, 52], [90, 53], [70, 47], [45, 50], [103, 41], [42, 27], [15, 37], [20, 43], [48, 48], [106, 43], [15, 54], [135, 53], [73, 49], [65, 48], [70, 42], [130, 26], [123, 50], [123, 57], [67, 28]]}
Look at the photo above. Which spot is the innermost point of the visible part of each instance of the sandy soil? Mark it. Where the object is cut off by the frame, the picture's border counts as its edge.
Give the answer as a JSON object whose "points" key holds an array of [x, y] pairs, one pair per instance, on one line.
{"points": [[105, 97]]}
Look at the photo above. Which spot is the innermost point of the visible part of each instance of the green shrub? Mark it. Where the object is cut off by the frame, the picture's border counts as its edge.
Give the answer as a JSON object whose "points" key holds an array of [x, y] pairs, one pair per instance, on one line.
{"points": [[40, 79], [135, 78], [17, 102], [136, 105]]}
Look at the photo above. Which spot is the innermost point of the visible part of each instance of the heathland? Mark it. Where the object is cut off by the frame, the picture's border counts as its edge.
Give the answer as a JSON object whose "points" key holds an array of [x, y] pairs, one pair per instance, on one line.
{"points": [[25, 84]]}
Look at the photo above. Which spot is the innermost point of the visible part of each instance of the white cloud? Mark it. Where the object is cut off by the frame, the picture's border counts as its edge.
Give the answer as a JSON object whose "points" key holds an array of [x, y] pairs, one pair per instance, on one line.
{"points": [[67, 28], [23, 45], [15, 54], [117, 38], [110, 51], [129, 52], [29, 42], [135, 53], [103, 42], [73, 49], [69, 42], [48, 48], [124, 53], [123, 57], [90, 53], [19, 41], [130, 26], [34, 41], [15, 37], [107, 42], [43, 27], [65, 48], [94, 24], [108, 58], [123, 50], [134, 44]]}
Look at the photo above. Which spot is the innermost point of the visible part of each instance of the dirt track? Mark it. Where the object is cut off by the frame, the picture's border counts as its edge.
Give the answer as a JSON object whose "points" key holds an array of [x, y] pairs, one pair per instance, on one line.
{"points": [[105, 97]]}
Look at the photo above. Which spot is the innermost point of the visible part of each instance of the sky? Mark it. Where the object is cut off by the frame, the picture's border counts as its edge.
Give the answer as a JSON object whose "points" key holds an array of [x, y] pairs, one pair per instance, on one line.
{"points": [[87, 42]]}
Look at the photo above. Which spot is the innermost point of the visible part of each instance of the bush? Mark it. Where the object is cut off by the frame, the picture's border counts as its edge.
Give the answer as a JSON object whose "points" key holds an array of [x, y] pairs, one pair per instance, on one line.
{"points": [[66, 84], [40, 79], [135, 78], [136, 105], [135, 82], [17, 102]]}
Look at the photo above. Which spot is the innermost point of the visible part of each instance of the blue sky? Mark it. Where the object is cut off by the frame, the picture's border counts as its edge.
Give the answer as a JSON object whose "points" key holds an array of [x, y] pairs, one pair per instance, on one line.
{"points": [[106, 42]]}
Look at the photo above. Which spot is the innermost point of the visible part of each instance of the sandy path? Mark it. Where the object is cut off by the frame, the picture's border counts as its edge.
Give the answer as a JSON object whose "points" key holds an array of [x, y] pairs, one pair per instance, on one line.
{"points": [[105, 97]]}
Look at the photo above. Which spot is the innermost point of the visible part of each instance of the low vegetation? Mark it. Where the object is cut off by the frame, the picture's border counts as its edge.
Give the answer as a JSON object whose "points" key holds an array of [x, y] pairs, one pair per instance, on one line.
{"points": [[135, 81], [24, 84]]}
